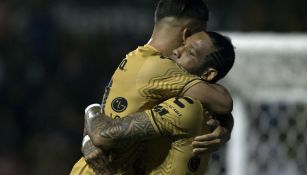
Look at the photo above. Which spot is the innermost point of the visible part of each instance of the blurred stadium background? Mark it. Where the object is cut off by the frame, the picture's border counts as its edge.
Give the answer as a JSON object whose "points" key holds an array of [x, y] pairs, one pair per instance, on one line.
{"points": [[57, 56]]}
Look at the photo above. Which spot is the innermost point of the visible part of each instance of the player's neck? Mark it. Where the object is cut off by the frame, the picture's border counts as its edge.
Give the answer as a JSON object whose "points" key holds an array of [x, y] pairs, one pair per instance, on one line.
{"points": [[166, 39]]}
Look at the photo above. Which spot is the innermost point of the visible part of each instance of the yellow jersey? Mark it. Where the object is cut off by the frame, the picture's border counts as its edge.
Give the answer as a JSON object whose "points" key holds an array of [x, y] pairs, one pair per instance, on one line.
{"points": [[142, 80], [180, 120]]}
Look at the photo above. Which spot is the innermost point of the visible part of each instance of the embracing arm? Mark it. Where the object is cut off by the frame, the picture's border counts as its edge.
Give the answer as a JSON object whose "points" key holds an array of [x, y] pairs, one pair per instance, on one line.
{"points": [[173, 118], [218, 137], [218, 100], [214, 97], [109, 133], [226, 121]]}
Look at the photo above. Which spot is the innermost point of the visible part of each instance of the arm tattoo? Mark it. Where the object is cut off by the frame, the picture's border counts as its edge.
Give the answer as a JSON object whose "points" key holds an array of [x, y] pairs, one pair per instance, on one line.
{"points": [[120, 132], [96, 159]]}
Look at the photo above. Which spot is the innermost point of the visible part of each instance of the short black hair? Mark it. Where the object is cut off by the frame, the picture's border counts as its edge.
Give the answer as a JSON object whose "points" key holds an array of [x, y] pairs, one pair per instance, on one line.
{"points": [[194, 9], [223, 58]]}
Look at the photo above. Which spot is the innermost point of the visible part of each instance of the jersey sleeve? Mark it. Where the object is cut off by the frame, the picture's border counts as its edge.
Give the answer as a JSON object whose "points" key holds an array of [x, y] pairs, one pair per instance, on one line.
{"points": [[161, 78], [177, 117]]}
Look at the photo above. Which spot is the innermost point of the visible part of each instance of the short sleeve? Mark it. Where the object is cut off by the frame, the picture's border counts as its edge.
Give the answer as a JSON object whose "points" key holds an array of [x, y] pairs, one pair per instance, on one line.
{"points": [[177, 117]]}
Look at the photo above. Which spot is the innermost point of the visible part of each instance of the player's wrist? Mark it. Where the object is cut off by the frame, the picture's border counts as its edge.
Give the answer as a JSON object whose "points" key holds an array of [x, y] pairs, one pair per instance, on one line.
{"points": [[92, 109]]}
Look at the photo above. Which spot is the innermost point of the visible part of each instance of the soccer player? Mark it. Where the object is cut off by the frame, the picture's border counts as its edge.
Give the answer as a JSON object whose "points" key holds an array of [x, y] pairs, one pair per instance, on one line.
{"points": [[177, 119], [144, 79], [215, 48]]}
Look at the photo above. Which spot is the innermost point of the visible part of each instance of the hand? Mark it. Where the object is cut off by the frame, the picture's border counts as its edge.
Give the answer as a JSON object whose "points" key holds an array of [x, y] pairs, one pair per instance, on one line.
{"points": [[89, 151], [96, 158], [212, 141]]}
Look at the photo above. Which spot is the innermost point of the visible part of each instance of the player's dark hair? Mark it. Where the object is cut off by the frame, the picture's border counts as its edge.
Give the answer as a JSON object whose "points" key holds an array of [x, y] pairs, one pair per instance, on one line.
{"points": [[194, 9], [223, 58]]}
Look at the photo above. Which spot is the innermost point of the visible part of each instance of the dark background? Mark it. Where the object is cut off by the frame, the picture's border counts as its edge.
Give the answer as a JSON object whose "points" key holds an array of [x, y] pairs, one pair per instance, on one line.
{"points": [[57, 56]]}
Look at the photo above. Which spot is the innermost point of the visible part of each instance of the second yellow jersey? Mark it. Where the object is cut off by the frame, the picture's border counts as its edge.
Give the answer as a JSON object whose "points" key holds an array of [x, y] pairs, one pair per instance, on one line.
{"points": [[180, 120]]}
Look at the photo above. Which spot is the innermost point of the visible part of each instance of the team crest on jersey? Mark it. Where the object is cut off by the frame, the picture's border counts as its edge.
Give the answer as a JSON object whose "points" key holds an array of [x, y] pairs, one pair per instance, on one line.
{"points": [[119, 104], [194, 163]]}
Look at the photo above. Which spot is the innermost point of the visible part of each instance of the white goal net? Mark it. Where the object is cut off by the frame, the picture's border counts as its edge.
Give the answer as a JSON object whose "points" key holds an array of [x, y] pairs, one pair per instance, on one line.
{"points": [[269, 86]]}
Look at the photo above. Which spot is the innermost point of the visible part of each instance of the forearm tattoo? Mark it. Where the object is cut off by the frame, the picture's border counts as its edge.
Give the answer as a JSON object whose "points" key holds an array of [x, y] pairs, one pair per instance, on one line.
{"points": [[134, 127]]}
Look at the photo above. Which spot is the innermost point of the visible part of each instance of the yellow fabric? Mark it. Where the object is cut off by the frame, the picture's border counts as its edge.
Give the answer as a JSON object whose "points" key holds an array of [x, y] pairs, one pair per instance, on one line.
{"points": [[180, 120], [82, 168], [142, 80], [145, 80]]}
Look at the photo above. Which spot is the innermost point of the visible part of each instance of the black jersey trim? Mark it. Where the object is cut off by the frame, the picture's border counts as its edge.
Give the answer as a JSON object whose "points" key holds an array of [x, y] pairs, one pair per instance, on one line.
{"points": [[181, 90]]}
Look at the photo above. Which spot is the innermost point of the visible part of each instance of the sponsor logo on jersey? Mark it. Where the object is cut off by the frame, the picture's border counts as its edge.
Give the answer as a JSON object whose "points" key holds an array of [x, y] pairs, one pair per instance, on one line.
{"points": [[119, 104], [174, 109], [160, 110]]}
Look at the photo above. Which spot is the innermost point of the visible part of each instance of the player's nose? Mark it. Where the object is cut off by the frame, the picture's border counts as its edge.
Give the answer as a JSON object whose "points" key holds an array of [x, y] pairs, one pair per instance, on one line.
{"points": [[177, 52]]}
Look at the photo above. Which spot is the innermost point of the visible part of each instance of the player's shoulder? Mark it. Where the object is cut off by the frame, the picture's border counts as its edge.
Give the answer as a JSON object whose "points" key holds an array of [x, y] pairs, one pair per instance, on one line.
{"points": [[151, 55], [158, 66], [143, 52]]}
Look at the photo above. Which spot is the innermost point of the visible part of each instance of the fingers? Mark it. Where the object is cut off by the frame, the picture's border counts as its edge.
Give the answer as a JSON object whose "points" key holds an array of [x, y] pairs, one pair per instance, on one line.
{"points": [[200, 151], [95, 154], [206, 137], [218, 133], [96, 163], [213, 123], [212, 141], [207, 144], [90, 152]]}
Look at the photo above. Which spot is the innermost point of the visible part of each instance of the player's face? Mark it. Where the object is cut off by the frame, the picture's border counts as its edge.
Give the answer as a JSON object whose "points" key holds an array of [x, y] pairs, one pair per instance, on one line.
{"points": [[192, 54]]}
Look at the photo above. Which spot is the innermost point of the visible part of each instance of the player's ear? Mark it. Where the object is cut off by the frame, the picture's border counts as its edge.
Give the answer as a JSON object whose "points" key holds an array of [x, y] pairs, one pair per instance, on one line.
{"points": [[185, 34], [209, 74]]}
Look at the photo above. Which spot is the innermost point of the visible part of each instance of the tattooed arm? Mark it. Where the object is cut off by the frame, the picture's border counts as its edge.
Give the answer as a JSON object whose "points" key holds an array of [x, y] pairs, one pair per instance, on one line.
{"points": [[111, 133], [174, 118], [96, 158]]}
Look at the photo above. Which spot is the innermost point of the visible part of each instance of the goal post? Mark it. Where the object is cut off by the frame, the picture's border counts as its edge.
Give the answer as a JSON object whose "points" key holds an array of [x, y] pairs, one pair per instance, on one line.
{"points": [[269, 86]]}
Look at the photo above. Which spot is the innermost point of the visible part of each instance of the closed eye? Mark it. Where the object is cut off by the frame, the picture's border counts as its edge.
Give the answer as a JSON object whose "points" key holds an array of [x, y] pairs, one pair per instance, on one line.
{"points": [[191, 52]]}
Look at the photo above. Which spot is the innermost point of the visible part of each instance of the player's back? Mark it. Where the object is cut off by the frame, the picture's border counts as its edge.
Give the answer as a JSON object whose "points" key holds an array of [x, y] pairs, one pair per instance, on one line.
{"points": [[121, 96], [142, 80]]}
